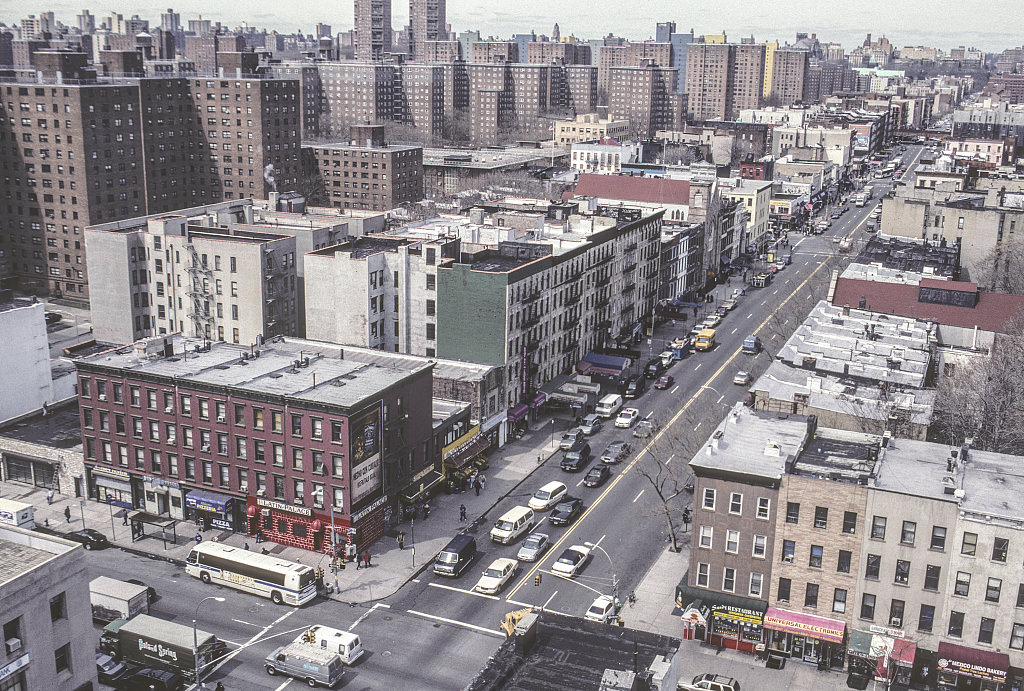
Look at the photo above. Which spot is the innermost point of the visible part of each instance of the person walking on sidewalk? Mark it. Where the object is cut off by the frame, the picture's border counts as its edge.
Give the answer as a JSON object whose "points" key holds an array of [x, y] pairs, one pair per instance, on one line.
{"points": [[462, 512], [426, 510], [476, 487], [366, 558], [67, 514], [401, 541], [482, 481], [124, 516], [49, 497]]}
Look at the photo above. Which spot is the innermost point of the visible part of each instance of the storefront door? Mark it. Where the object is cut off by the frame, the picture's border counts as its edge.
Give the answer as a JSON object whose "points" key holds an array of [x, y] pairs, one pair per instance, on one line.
{"points": [[812, 650]]}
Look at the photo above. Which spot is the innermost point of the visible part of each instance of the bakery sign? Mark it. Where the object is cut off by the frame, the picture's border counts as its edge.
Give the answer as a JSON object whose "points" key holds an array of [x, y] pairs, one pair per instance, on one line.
{"points": [[971, 669]]}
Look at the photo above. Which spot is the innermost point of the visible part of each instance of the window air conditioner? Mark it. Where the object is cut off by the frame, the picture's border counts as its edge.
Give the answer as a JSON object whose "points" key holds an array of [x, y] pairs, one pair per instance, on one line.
{"points": [[244, 487], [102, 397], [206, 448], [13, 645], [168, 410], [896, 621], [220, 418], [787, 558]]}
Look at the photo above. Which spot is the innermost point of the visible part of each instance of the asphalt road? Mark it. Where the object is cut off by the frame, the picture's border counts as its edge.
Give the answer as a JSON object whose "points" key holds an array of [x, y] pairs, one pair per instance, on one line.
{"points": [[435, 633]]}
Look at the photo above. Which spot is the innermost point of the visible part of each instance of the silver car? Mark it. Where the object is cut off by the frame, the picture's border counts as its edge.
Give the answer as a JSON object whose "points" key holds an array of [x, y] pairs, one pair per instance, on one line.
{"points": [[534, 547]]}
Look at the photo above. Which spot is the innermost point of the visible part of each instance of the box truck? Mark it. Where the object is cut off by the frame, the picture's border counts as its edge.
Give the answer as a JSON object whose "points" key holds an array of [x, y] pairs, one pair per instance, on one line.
{"points": [[113, 599]]}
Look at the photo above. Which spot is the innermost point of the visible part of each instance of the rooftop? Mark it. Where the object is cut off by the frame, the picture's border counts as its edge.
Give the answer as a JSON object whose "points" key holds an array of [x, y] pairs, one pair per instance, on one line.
{"points": [[301, 370], [487, 159], [23, 550], [838, 455], [884, 256], [346, 144], [58, 427], [753, 442], [634, 189]]}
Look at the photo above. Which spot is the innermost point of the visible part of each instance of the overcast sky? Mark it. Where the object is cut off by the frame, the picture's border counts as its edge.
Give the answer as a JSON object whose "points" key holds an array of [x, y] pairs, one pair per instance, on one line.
{"points": [[991, 25]]}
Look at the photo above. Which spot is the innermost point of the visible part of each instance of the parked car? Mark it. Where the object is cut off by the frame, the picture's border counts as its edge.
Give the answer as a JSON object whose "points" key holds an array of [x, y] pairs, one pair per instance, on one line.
{"points": [[53, 318], [534, 547], [591, 424], [547, 496], [711, 321], [602, 611], [567, 511], [150, 590], [576, 460], [110, 670], [88, 538], [730, 304], [627, 417], [664, 381], [570, 437], [711, 682], [495, 576], [615, 452], [643, 429], [721, 310], [742, 378], [597, 476], [571, 561]]}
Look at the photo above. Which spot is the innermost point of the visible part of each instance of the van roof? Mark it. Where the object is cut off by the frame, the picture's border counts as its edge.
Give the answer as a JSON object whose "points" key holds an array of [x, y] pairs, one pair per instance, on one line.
{"points": [[706, 333], [326, 632], [516, 512], [553, 485], [458, 542]]}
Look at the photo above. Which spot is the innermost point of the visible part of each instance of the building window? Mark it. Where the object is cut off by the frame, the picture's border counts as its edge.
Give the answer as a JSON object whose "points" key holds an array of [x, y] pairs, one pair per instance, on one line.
{"points": [[58, 607], [336, 431], [816, 554], [788, 550], [729, 579], [706, 535], [62, 658], [849, 522], [932, 574], [760, 546], [709, 499], [938, 538], [908, 533], [878, 528], [992, 590], [756, 581], [792, 512], [703, 575], [985, 630], [867, 606], [785, 586], [732, 541], [873, 566], [1017, 637], [1020, 595], [902, 572], [821, 517], [763, 508], [955, 624], [963, 584], [736, 503], [839, 601], [896, 608], [845, 560], [811, 595], [969, 547], [999, 548]]}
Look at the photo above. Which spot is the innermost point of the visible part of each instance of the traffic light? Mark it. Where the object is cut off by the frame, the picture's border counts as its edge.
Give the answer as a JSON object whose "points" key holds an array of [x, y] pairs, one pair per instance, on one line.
{"points": [[686, 515], [536, 579]]}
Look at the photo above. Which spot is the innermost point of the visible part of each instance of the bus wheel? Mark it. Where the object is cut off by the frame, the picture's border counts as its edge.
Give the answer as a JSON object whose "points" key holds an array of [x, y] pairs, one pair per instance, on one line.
{"points": [[205, 577], [276, 598]]}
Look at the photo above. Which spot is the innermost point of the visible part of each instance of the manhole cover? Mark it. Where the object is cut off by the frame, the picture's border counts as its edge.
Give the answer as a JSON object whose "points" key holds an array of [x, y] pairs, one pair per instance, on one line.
{"points": [[386, 653], [388, 617], [254, 609]]}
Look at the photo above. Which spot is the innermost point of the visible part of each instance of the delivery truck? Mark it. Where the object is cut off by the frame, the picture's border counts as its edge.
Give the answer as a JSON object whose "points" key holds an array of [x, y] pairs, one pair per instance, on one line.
{"points": [[17, 513], [113, 599], [153, 642]]}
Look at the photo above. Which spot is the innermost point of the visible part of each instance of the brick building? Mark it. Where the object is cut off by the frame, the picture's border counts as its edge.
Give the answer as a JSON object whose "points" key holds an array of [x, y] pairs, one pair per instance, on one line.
{"points": [[280, 439]]}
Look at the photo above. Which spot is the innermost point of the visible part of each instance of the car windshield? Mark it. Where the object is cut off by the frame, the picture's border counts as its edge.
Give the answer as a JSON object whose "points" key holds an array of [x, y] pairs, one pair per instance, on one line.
{"points": [[572, 456], [542, 494], [532, 543], [595, 609], [503, 525], [493, 573], [448, 557], [565, 506]]}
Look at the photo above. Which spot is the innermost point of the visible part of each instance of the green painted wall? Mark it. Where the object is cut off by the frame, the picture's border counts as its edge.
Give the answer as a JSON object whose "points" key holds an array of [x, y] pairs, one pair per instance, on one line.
{"points": [[472, 313]]}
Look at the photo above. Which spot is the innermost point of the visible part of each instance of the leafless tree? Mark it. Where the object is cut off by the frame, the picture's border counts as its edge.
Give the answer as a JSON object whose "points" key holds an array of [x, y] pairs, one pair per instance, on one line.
{"points": [[1002, 269], [984, 398]]}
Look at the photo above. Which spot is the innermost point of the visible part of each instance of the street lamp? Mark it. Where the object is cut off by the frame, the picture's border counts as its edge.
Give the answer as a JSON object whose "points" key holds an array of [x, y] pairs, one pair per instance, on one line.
{"points": [[615, 580], [195, 634]]}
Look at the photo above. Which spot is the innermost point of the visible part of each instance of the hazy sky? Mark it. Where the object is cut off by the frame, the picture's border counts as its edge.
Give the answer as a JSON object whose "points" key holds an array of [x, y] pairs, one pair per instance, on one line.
{"points": [[990, 25]]}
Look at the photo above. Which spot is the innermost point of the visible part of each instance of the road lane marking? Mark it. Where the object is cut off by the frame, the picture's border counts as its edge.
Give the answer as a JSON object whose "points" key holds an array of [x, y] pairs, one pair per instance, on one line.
{"points": [[698, 426], [676, 388], [750, 315], [453, 622], [734, 331], [577, 484], [639, 495], [521, 604], [775, 292], [231, 642], [248, 623], [283, 684], [698, 366], [368, 613], [259, 634], [670, 459], [720, 398], [548, 602], [463, 591]]}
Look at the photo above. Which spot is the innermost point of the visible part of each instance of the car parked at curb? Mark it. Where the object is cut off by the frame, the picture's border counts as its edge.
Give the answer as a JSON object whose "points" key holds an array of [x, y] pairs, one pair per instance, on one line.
{"points": [[88, 538]]}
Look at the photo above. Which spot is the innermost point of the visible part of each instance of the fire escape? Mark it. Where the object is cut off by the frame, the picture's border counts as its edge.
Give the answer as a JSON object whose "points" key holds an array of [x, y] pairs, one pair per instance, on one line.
{"points": [[199, 293]]}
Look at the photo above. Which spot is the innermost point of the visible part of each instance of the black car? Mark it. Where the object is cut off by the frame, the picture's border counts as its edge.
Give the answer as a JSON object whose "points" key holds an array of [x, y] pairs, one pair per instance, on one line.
{"points": [[110, 670], [88, 538], [597, 476], [150, 590], [566, 511], [615, 452], [576, 460]]}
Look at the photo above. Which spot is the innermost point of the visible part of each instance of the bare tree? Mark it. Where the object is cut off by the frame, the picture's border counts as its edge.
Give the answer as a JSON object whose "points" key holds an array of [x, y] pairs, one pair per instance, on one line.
{"points": [[1002, 269]]}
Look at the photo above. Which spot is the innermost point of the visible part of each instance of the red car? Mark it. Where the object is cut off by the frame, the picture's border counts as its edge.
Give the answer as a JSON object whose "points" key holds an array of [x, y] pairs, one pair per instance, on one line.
{"points": [[664, 381]]}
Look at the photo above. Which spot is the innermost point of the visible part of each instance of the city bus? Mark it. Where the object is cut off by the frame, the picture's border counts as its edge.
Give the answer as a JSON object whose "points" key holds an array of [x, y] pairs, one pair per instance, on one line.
{"points": [[281, 580]]}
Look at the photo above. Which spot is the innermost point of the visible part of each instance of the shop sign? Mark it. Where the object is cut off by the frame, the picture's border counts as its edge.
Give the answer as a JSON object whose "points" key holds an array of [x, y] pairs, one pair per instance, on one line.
{"points": [[221, 523], [375, 505], [12, 667], [886, 631], [160, 482], [741, 614], [112, 472], [975, 671], [422, 474], [459, 444], [281, 506]]}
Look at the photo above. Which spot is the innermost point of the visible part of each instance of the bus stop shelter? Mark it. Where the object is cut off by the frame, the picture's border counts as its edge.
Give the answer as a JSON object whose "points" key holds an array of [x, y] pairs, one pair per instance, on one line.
{"points": [[164, 527]]}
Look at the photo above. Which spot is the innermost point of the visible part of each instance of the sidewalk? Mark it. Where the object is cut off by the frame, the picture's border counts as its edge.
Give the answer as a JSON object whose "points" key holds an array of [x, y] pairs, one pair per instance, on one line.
{"points": [[391, 567]]}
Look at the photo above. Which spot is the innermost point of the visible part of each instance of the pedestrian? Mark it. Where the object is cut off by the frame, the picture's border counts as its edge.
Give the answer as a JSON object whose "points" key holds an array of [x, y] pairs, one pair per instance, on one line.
{"points": [[49, 496], [199, 537], [426, 510], [124, 516], [67, 514], [359, 561], [246, 546], [220, 686], [462, 512], [366, 558], [476, 487], [401, 541], [482, 481], [695, 310], [472, 480]]}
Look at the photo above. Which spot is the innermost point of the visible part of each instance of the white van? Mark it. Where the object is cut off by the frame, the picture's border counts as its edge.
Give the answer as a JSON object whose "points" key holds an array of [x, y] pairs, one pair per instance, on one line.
{"points": [[515, 523], [342, 643], [547, 496], [608, 406]]}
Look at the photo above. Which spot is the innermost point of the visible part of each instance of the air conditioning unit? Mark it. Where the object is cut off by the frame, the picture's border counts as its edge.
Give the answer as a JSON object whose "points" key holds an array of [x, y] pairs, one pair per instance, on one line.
{"points": [[261, 493], [896, 621], [13, 645], [102, 397], [206, 448], [168, 410], [787, 558], [220, 418], [244, 487]]}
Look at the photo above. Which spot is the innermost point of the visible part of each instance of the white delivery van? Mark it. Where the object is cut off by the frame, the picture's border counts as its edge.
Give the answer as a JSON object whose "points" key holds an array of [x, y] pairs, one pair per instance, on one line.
{"points": [[343, 643], [514, 523], [608, 406], [17, 513]]}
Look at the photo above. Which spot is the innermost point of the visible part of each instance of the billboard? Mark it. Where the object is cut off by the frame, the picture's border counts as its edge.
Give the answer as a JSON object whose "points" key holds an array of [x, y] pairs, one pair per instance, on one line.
{"points": [[365, 454]]}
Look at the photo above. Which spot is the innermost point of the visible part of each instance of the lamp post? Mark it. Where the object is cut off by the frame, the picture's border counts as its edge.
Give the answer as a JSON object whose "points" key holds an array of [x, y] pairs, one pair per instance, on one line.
{"points": [[195, 633], [615, 580]]}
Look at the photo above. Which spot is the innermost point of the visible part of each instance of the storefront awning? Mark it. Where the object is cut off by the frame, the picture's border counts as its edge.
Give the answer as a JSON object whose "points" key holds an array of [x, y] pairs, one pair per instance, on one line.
{"points": [[736, 607], [518, 413], [567, 397], [804, 625], [725, 260], [539, 400], [205, 500], [873, 646], [969, 662], [417, 492], [467, 452]]}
